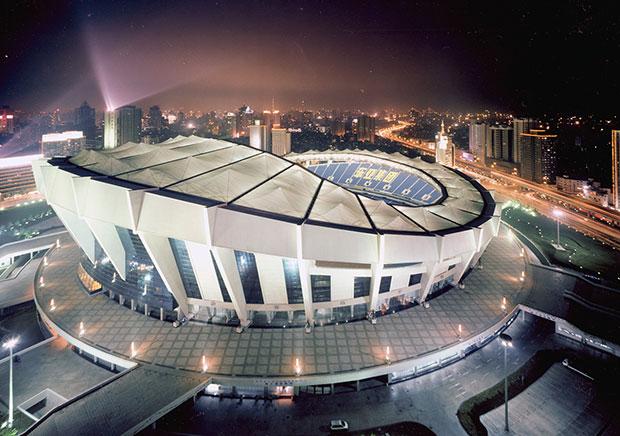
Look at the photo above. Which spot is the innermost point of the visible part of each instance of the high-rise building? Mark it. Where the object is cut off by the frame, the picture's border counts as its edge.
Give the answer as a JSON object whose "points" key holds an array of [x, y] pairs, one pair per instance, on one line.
{"points": [[110, 134], [366, 128], [479, 139], [337, 127], [538, 156], [229, 126], [84, 118], [122, 125], [280, 141], [245, 117], [520, 126], [7, 120], [271, 118], [615, 169], [62, 144], [445, 152], [501, 143], [259, 137], [155, 118]]}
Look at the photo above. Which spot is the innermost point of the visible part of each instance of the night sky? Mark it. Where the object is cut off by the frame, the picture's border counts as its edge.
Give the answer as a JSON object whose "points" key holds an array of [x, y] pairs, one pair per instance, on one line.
{"points": [[523, 57]]}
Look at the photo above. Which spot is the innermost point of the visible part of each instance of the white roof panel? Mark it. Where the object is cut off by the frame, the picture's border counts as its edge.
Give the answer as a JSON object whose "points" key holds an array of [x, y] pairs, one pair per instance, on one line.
{"points": [[228, 182], [338, 206], [289, 193]]}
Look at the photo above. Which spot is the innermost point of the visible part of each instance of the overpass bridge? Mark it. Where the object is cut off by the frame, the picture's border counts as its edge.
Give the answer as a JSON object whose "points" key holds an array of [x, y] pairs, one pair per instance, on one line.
{"points": [[16, 280]]}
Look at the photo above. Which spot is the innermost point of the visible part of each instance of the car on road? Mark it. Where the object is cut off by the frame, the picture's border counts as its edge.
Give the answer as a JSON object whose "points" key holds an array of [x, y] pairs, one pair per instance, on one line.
{"points": [[338, 425]]}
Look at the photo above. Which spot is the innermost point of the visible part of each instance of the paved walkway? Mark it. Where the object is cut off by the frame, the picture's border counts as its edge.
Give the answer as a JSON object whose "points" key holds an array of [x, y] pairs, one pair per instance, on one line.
{"points": [[560, 402], [272, 352]]}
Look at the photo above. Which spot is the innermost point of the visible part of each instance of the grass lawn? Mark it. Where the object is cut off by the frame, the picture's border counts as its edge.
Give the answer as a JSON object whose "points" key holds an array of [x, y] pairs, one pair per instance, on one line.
{"points": [[583, 253]]}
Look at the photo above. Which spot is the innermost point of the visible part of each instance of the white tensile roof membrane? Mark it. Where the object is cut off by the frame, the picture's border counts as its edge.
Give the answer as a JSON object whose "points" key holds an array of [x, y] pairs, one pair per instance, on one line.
{"points": [[238, 175]]}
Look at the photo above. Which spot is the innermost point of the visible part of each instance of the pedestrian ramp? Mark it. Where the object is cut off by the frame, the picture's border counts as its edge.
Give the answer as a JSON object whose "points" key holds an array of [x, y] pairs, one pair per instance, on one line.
{"points": [[125, 404]]}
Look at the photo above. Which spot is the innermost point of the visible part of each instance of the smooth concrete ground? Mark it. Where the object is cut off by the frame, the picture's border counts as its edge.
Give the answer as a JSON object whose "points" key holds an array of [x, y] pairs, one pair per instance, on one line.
{"points": [[561, 402], [52, 365], [21, 322], [431, 400]]}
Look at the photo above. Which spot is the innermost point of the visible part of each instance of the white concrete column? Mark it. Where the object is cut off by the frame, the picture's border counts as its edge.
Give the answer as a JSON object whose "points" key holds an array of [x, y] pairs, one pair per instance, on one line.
{"points": [[160, 252], [110, 242], [427, 280], [377, 272], [304, 278], [463, 266], [78, 229], [227, 264]]}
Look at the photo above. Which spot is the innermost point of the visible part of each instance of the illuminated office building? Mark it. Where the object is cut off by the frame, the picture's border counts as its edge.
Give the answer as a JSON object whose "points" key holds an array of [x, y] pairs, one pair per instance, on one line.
{"points": [[538, 156]]}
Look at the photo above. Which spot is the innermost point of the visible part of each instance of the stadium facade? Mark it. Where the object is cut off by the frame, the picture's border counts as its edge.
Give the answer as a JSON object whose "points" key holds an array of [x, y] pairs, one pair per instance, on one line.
{"points": [[226, 233]]}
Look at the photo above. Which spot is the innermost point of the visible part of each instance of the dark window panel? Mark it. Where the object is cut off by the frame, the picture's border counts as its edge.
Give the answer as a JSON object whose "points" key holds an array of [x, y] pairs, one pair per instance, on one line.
{"points": [[361, 287], [321, 288], [386, 282], [220, 280], [246, 264], [293, 281], [414, 279], [179, 249]]}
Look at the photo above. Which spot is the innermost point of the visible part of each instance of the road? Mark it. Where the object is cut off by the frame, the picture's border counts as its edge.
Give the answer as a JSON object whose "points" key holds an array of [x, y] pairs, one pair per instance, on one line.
{"points": [[576, 212], [431, 399]]}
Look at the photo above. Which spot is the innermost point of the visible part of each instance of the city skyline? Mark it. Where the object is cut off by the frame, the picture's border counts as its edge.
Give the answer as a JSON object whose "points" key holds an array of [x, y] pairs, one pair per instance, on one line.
{"points": [[204, 56]]}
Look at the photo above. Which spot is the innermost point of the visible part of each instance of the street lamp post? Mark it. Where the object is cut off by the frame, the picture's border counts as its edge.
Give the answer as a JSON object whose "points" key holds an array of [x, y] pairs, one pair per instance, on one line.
{"points": [[558, 214], [506, 341], [10, 344]]}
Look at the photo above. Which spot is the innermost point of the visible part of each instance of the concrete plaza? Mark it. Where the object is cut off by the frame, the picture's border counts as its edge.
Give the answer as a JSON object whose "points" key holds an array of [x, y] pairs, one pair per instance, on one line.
{"points": [[260, 352]]}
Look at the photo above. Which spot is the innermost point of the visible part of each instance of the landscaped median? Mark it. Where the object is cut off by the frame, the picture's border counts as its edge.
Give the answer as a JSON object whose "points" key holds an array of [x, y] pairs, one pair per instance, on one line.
{"points": [[604, 374]]}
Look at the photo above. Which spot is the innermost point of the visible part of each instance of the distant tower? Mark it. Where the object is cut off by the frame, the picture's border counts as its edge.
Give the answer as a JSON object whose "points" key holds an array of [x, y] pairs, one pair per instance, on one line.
{"points": [[444, 148], [520, 126], [85, 120], [479, 140], [245, 117], [109, 130], [258, 136], [538, 156], [502, 146], [122, 125], [155, 118], [366, 128], [615, 169], [280, 141]]}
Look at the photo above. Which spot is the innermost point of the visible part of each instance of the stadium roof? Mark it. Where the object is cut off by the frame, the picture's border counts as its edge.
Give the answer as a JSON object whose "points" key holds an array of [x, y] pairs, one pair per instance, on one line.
{"points": [[216, 172]]}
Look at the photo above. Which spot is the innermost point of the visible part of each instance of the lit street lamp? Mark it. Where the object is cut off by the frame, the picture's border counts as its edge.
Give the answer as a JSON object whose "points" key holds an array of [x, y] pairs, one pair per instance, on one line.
{"points": [[558, 213], [10, 344], [506, 341]]}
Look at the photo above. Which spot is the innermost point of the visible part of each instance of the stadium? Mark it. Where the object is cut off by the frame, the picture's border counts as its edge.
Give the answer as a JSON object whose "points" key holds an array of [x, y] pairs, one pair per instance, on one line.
{"points": [[222, 233]]}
